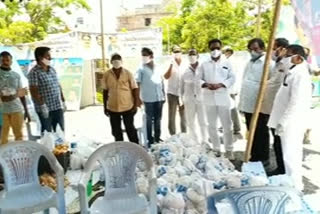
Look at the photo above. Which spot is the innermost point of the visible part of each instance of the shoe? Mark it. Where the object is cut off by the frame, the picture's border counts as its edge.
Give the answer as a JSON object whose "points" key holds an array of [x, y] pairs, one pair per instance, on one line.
{"points": [[207, 147], [217, 154], [306, 141], [238, 135], [275, 172], [266, 165], [229, 155]]}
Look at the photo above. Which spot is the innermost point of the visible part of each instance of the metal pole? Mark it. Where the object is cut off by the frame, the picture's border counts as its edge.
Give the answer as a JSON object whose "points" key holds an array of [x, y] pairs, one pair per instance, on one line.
{"points": [[102, 37], [168, 31], [258, 26], [264, 79]]}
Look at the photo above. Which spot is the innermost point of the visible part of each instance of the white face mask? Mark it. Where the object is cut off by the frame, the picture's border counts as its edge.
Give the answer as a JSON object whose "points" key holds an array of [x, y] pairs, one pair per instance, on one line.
{"points": [[216, 53], [46, 61], [177, 55], [146, 59], [274, 56], [255, 55], [193, 59], [287, 63], [116, 64]]}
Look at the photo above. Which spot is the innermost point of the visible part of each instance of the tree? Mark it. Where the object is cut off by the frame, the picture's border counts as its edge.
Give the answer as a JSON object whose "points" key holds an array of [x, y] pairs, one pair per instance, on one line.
{"points": [[216, 19], [195, 22], [198, 21], [33, 20]]}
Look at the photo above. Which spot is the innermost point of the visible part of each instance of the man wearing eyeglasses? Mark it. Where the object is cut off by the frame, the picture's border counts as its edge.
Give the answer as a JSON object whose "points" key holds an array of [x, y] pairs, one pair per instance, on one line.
{"points": [[290, 108]]}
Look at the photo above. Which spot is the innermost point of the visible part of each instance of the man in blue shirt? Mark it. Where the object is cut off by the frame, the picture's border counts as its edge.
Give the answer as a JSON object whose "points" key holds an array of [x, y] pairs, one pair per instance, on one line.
{"points": [[150, 82], [46, 91]]}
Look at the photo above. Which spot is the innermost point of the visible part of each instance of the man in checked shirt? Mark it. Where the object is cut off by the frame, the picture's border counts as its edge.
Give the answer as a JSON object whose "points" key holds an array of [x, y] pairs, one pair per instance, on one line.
{"points": [[46, 91]]}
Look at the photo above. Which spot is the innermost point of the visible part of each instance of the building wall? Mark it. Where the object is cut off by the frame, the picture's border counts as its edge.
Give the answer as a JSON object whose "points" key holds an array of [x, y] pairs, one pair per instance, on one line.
{"points": [[139, 21]]}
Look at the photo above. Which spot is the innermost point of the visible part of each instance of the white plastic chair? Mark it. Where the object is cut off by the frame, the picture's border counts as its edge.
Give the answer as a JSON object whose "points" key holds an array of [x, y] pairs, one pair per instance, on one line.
{"points": [[119, 161], [23, 193], [255, 200]]}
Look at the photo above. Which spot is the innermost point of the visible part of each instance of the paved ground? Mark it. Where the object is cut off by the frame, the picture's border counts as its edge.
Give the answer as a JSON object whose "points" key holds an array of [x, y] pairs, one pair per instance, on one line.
{"points": [[92, 123]]}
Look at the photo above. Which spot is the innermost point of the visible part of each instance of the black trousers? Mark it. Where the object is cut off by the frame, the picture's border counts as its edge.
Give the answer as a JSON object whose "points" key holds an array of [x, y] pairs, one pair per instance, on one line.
{"points": [[278, 152], [128, 120], [55, 118], [261, 141]]}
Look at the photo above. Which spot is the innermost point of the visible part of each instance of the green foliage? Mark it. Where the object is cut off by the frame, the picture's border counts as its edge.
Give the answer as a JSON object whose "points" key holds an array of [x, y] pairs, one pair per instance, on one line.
{"points": [[37, 19], [195, 22], [99, 97]]}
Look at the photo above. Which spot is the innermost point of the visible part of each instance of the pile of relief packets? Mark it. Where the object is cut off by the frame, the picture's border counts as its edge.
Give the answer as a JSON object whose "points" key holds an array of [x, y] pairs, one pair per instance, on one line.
{"points": [[187, 173]]}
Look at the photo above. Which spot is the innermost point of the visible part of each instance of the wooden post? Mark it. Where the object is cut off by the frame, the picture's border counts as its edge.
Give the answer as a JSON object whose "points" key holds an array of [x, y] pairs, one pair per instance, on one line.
{"points": [[264, 79], [258, 26]]}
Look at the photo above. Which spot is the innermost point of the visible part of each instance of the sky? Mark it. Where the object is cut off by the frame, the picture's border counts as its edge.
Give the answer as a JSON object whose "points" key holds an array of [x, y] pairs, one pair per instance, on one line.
{"points": [[111, 11]]}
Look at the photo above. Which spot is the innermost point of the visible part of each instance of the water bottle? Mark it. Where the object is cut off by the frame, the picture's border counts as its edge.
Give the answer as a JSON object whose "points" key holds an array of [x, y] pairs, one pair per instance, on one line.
{"points": [[73, 145]]}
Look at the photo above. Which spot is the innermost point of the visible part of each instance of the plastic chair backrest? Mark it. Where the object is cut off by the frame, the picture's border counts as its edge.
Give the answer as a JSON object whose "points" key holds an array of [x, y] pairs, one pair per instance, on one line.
{"points": [[19, 161], [253, 200], [119, 161]]}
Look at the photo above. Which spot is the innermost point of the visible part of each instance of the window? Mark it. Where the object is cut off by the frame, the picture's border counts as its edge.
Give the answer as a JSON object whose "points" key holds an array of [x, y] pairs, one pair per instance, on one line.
{"points": [[80, 20], [147, 22]]}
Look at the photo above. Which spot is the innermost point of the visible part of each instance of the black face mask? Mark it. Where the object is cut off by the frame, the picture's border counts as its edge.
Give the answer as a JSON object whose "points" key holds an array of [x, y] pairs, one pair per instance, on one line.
{"points": [[5, 69]]}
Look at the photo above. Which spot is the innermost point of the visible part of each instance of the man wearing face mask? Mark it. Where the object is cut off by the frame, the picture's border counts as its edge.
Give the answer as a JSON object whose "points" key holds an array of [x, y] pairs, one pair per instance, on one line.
{"points": [[14, 107], [173, 75], [234, 91], [46, 91], [248, 96], [216, 77], [120, 99], [290, 108], [273, 85], [150, 82], [192, 99]]}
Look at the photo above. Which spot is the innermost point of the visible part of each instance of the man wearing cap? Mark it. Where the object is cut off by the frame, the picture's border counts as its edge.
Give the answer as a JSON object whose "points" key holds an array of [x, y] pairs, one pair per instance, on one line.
{"points": [[192, 99], [173, 75], [120, 99], [234, 90]]}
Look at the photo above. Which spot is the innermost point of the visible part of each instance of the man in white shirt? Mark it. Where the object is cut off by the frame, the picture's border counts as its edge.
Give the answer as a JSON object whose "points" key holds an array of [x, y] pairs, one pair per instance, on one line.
{"points": [[216, 77], [248, 96], [273, 85], [290, 108], [234, 91], [314, 70], [192, 99], [173, 75]]}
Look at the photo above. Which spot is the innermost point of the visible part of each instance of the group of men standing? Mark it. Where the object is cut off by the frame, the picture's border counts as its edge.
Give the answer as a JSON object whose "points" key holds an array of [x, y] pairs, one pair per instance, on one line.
{"points": [[203, 91], [45, 91], [206, 91]]}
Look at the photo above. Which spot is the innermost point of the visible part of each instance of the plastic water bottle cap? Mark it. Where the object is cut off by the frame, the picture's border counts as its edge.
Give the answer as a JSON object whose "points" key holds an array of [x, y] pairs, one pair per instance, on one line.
{"points": [[73, 145]]}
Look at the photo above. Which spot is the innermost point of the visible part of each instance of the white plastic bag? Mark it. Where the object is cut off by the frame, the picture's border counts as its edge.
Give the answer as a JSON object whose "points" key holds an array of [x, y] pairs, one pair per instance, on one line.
{"points": [[174, 201], [76, 161], [59, 137], [48, 140]]}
